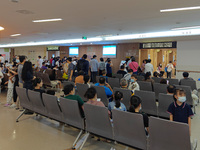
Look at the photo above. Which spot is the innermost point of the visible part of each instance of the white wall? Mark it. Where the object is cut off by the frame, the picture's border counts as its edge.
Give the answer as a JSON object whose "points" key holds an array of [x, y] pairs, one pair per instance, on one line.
{"points": [[188, 58]]}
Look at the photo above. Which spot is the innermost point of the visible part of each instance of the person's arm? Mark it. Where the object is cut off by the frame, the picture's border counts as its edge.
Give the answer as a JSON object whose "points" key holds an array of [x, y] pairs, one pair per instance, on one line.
{"points": [[171, 117], [189, 123], [107, 85]]}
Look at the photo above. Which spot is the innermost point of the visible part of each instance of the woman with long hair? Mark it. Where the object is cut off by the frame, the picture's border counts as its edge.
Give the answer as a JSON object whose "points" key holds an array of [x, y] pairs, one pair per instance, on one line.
{"points": [[27, 75]]}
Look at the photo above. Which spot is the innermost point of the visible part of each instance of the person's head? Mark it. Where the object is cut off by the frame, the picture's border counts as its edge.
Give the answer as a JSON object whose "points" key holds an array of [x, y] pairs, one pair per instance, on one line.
{"points": [[26, 68], [135, 103], [81, 73], [39, 57], [170, 62], [22, 59], [130, 71], [109, 61], [84, 56], [91, 93], [148, 60], [163, 81], [69, 89], [171, 89], [69, 60], [144, 61], [86, 79], [185, 74], [133, 78], [147, 75], [179, 95], [43, 64], [102, 80], [155, 74], [51, 92], [122, 67], [118, 97], [94, 56], [133, 58], [101, 59], [124, 83], [37, 82], [0, 55], [104, 73]]}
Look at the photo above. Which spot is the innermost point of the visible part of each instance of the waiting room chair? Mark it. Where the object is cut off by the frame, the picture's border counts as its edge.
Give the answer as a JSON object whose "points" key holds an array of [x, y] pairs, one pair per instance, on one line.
{"points": [[160, 88], [81, 89], [102, 94], [156, 79], [164, 101], [148, 102], [52, 107], [168, 135], [129, 129], [145, 86], [190, 83], [173, 81], [113, 82], [140, 78]]}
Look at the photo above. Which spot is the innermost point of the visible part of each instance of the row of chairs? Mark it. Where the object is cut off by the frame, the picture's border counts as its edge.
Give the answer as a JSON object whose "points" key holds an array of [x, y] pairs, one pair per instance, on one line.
{"points": [[127, 128]]}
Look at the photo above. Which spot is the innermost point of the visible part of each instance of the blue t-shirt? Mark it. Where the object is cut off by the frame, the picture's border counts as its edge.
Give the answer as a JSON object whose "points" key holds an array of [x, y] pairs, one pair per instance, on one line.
{"points": [[180, 113], [108, 68], [112, 104], [107, 90]]}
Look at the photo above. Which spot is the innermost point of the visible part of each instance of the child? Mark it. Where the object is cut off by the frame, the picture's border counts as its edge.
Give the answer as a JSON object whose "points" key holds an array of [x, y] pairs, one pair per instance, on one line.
{"points": [[133, 85], [10, 83], [117, 103], [179, 110]]}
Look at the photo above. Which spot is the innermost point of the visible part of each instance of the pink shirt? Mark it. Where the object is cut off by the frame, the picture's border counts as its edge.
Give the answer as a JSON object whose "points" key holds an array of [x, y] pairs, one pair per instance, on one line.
{"points": [[96, 103], [134, 66]]}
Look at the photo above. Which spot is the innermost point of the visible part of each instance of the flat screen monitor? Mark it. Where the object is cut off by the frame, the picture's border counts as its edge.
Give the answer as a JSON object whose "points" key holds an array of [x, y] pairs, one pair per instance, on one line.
{"points": [[73, 51], [109, 51]]}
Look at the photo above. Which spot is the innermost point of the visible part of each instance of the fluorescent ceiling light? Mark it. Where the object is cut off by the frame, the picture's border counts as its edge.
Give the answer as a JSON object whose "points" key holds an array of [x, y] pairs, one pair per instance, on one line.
{"points": [[48, 20], [15, 35], [183, 28], [1, 28], [180, 9], [188, 32]]}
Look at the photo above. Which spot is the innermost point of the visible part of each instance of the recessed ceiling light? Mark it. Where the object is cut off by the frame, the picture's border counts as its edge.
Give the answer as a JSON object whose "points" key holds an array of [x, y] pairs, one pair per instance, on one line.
{"points": [[90, 43], [48, 20], [183, 28], [1, 28], [71, 44], [15, 35], [80, 43], [180, 9]]}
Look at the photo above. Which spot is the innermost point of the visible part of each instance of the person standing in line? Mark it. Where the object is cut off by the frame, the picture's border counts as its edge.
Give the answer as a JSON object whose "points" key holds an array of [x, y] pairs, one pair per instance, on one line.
{"points": [[83, 64], [148, 67], [174, 64], [109, 68], [143, 65], [102, 66], [1, 59], [40, 61], [94, 65], [133, 65], [130, 60], [70, 68], [170, 67]]}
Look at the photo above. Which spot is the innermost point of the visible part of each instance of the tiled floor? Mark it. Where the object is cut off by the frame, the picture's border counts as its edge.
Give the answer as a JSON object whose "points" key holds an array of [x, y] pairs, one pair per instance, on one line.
{"points": [[40, 133]]}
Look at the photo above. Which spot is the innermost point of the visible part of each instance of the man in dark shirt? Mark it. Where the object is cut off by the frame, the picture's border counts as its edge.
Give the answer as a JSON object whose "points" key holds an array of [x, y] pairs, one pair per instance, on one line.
{"points": [[186, 77], [121, 71], [83, 64]]}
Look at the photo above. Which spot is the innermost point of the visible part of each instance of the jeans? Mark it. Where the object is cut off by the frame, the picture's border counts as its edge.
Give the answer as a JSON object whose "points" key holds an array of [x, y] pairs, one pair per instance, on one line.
{"points": [[93, 76], [169, 74]]}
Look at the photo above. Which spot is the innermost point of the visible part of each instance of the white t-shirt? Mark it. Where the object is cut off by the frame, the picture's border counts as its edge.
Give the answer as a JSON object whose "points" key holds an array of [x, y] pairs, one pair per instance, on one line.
{"points": [[40, 61], [148, 68], [1, 75], [10, 84], [169, 67], [2, 59]]}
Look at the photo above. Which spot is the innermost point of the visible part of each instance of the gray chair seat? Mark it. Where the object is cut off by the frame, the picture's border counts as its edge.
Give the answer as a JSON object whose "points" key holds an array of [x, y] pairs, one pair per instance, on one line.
{"points": [[160, 88], [114, 82], [145, 86], [81, 89], [102, 94]]}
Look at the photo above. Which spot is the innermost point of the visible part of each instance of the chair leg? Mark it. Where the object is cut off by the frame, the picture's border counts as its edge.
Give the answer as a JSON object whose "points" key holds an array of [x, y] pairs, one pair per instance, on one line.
{"points": [[17, 120], [80, 133], [87, 135]]}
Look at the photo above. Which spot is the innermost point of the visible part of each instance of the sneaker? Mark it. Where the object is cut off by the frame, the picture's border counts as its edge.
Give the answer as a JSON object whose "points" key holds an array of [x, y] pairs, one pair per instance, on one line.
{"points": [[6, 105], [13, 105]]}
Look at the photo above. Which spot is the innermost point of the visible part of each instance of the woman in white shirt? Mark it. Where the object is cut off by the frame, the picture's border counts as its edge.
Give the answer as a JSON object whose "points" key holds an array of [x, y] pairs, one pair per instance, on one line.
{"points": [[169, 69]]}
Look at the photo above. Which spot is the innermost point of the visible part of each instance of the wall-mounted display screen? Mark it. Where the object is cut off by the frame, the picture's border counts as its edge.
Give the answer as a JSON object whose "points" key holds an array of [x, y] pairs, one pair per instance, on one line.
{"points": [[73, 51], [110, 51]]}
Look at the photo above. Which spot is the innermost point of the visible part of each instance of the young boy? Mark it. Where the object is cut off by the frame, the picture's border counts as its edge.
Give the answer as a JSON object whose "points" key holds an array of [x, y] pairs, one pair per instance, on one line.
{"points": [[133, 85], [179, 110]]}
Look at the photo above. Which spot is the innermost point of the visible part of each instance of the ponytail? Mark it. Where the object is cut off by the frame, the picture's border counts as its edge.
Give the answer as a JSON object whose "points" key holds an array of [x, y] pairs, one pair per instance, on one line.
{"points": [[118, 97], [36, 81]]}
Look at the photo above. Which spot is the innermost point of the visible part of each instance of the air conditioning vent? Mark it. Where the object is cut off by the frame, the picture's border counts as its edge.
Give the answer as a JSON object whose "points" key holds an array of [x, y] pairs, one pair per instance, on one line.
{"points": [[25, 12]]}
